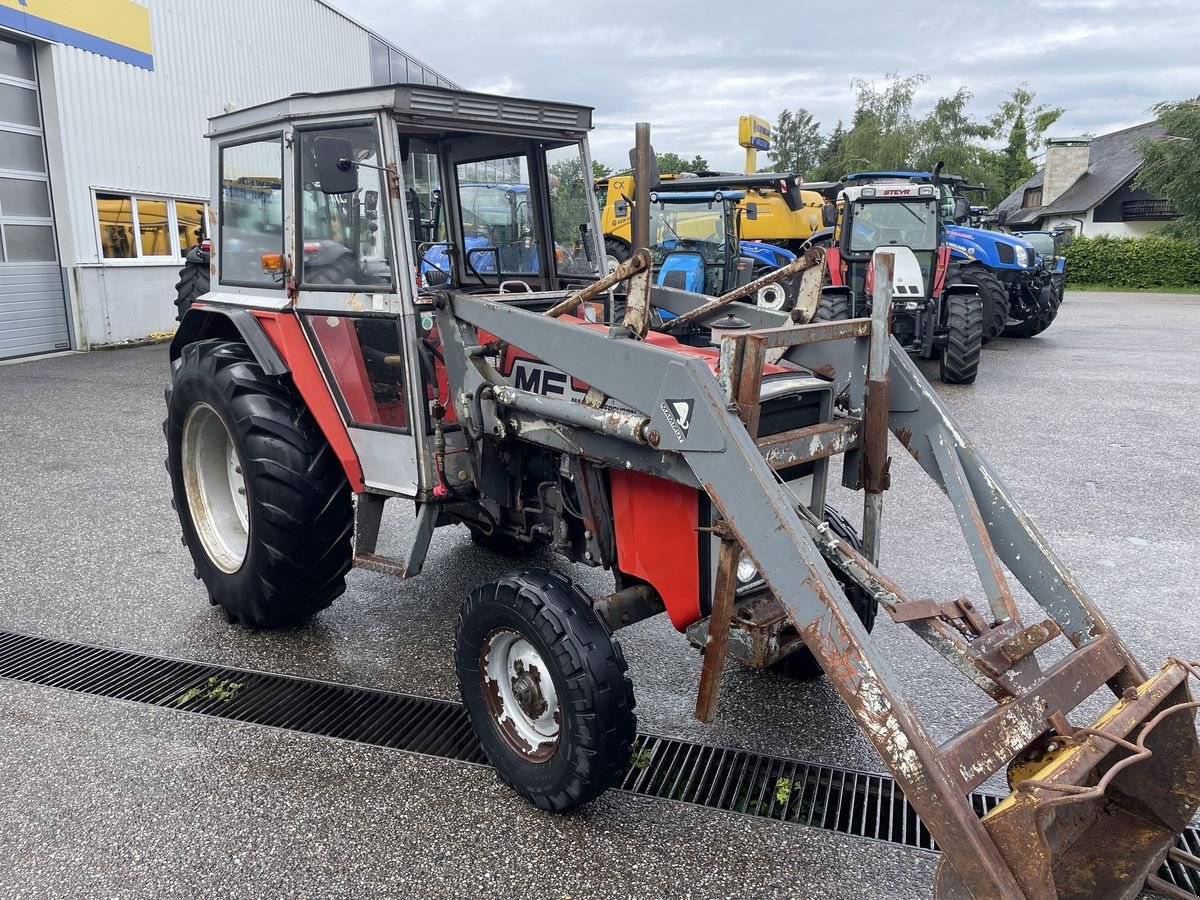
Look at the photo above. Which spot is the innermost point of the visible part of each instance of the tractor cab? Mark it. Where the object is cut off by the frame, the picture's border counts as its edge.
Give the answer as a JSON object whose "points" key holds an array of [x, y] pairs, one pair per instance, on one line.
{"points": [[693, 240]]}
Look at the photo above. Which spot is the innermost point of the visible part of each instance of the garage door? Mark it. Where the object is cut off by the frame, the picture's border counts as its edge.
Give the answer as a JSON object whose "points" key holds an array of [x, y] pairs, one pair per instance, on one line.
{"points": [[33, 311]]}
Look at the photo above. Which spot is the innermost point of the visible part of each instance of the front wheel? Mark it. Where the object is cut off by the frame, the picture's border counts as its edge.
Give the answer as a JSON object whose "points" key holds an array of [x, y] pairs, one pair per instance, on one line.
{"points": [[801, 663], [964, 341], [774, 297], [545, 687], [833, 307], [991, 289], [263, 502]]}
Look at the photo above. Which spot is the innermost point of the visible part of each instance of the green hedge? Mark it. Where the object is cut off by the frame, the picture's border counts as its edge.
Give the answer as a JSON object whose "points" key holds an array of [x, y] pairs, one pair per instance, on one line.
{"points": [[1145, 262]]}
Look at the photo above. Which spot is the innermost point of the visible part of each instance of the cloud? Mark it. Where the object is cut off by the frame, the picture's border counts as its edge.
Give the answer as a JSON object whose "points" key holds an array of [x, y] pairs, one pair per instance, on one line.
{"points": [[691, 69]]}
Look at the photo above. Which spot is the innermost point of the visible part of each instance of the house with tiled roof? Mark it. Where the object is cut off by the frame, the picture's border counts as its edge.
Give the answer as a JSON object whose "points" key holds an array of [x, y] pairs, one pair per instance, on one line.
{"points": [[1086, 185]]}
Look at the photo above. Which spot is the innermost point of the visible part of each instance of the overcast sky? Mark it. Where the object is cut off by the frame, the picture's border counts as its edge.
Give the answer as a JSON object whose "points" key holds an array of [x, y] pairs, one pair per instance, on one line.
{"points": [[691, 70]]}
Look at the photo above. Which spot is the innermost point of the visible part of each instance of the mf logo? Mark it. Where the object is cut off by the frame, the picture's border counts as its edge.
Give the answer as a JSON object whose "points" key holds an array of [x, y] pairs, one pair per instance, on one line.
{"points": [[679, 416]]}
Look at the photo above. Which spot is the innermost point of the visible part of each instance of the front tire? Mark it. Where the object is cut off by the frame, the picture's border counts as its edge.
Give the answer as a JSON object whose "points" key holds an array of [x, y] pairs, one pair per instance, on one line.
{"points": [[1048, 302], [545, 687], [833, 307], [993, 292], [263, 502], [964, 342], [615, 252]]}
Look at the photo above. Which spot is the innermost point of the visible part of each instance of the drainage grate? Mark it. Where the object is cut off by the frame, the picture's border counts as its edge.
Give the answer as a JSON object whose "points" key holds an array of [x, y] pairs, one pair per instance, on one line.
{"points": [[861, 804]]}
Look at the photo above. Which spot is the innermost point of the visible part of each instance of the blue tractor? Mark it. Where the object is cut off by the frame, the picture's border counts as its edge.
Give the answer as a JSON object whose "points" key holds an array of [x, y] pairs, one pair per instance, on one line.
{"points": [[694, 244], [1020, 298]]}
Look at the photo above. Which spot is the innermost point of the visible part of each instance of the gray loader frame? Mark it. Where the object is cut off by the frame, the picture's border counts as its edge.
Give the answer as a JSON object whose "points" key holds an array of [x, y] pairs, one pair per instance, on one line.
{"points": [[796, 554]]}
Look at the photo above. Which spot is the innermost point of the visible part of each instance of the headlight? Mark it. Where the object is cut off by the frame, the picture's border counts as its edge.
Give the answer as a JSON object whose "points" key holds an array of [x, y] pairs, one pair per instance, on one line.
{"points": [[747, 571], [1022, 257]]}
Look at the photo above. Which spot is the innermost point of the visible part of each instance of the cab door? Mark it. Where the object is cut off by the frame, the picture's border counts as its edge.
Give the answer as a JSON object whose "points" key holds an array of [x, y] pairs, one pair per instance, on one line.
{"points": [[349, 297]]}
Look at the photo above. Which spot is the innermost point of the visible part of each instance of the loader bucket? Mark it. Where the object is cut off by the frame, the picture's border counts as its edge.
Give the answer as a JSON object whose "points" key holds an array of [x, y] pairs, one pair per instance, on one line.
{"points": [[1098, 812]]}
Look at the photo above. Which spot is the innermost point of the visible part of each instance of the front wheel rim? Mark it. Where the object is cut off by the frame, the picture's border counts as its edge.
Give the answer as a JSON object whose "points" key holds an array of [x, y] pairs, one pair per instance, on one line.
{"points": [[520, 696], [216, 488], [772, 296]]}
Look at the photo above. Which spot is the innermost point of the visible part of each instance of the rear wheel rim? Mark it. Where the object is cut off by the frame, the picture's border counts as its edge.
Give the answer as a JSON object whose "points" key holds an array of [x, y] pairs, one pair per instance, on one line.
{"points": [[216, 488], [520, 696]]}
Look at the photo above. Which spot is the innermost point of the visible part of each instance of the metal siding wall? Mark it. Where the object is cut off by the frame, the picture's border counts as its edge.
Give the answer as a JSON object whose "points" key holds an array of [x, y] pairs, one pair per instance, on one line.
{"points": [[127, 128]]}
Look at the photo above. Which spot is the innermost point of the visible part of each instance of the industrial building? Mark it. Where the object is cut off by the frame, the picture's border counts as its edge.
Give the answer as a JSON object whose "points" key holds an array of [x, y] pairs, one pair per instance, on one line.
{"points": [[104, 168]]}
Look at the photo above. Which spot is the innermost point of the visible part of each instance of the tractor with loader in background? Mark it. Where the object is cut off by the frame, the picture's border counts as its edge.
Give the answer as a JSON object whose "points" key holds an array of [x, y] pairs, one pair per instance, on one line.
{"points": [[547, 408], [788, 212]]}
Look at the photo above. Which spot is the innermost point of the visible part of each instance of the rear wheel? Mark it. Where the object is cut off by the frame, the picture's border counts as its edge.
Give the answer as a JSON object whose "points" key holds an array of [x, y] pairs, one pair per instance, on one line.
{"points": [[960, 356], [801, 663], [194, 280], [263, 502], [545, 687], [991, 289]]}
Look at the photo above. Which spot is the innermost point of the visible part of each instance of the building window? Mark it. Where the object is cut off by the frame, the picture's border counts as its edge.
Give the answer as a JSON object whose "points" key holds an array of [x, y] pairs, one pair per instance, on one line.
{"points": [[150, 228], [1032, 198]]}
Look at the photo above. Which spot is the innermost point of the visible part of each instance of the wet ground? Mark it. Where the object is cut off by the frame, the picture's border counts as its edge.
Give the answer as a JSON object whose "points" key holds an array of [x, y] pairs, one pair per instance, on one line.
{"points": [[1095, 426]]}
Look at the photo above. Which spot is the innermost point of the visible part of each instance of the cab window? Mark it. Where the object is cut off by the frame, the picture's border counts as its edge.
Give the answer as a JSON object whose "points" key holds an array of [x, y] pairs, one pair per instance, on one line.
{"points": [[499, 222], [343, 237], [251, 211], [575, 250]]}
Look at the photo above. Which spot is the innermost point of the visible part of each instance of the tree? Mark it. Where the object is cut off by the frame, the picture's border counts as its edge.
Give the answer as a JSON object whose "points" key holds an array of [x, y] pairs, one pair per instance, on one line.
{"points": [[797, 143], [1171, 165], [600, 170], [828, 162], [1020, 124], [674, 164]]}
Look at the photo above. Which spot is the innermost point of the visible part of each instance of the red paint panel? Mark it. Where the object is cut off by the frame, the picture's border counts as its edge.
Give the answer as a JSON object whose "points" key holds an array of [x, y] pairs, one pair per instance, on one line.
{"points": [[283, 330], [339, 343], [657, 539], [833, 264], [939, 275]]}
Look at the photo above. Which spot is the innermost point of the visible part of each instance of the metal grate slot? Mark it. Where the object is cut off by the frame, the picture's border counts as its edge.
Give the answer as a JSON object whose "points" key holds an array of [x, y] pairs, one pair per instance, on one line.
{"points": [[861, 804]]}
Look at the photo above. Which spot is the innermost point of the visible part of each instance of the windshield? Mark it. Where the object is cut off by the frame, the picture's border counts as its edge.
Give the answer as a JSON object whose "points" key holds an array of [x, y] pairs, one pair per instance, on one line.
{"points": [[1042, 243], [688, 226], [909, 223], [497, 216]]}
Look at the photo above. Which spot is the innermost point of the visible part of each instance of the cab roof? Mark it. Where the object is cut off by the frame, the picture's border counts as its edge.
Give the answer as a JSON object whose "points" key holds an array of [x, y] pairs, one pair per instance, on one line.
{"points": [[423, 106]]}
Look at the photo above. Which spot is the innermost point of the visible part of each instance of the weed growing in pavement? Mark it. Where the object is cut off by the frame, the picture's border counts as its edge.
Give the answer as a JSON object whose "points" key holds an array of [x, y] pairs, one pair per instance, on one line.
{"points": [[214, 689]]}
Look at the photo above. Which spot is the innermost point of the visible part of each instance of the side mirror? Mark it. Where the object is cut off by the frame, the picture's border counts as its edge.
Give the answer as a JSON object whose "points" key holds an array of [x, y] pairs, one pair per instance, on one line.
{"points": [[1002, 217], [371, 200], [751, 211], [1065, 237], [621, 208], [962, 210], [335, 165], [828, 215]]}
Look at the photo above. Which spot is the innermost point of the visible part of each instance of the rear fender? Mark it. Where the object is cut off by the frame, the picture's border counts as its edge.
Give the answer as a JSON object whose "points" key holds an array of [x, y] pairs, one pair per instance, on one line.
{"points": [[280, 348], [201, 323]]}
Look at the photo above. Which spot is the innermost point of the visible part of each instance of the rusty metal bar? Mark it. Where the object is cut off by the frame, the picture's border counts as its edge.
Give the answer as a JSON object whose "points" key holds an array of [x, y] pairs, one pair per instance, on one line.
{"points": [[749, 388], [638, 262], [628, 606], [970, 519], [875, 464], [813, 257], [724, 589], [976, 752], [789, 448], [642, 153], [814, 333]]}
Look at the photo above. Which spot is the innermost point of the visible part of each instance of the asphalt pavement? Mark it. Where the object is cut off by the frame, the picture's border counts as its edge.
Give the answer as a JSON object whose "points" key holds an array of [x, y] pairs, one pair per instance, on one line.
{"points": [[1095, 426]]}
